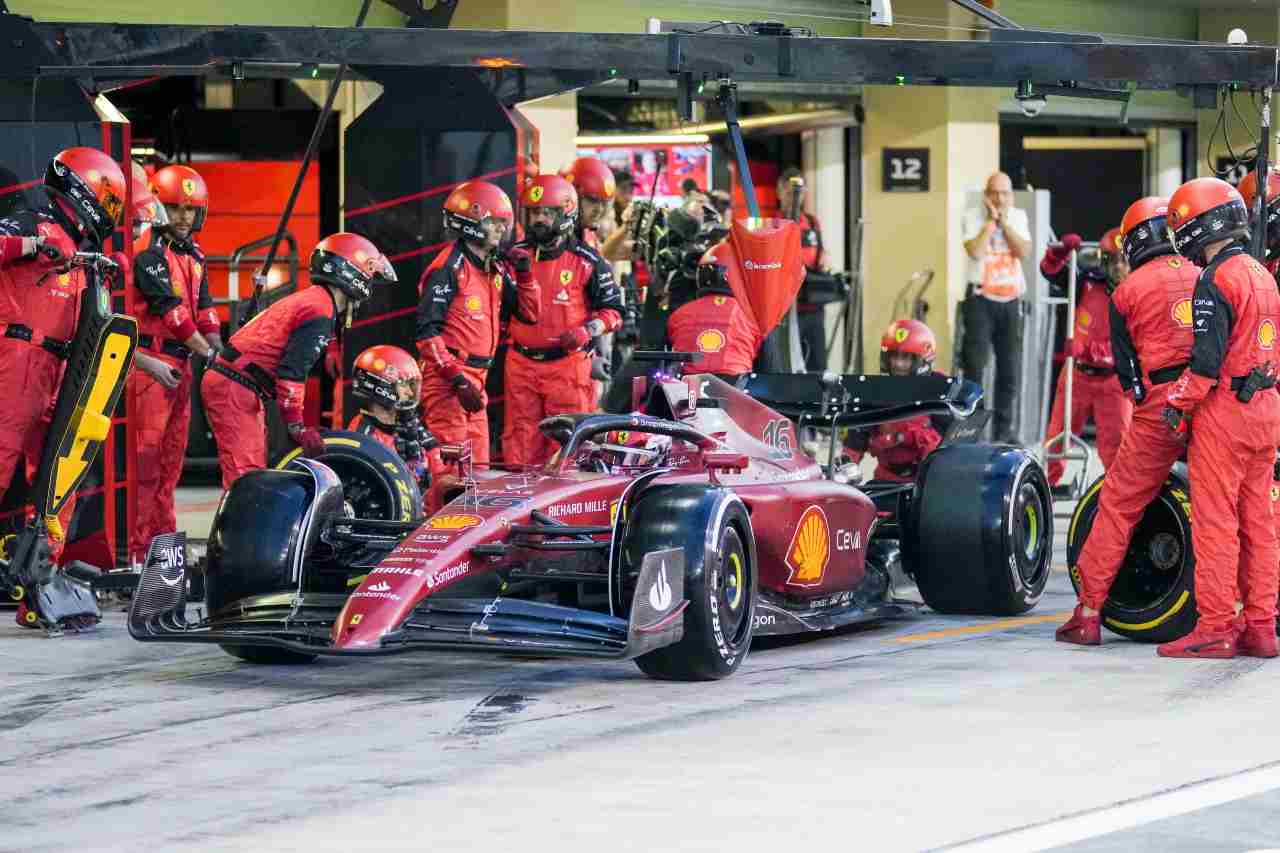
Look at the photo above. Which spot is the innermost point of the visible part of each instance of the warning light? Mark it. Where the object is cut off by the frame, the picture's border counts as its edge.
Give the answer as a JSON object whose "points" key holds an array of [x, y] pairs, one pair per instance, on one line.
{"points": [[902, 80]]}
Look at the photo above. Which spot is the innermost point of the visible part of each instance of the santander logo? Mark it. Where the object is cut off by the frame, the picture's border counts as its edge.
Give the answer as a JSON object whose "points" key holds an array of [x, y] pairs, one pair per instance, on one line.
{"points": [[755, 265]]}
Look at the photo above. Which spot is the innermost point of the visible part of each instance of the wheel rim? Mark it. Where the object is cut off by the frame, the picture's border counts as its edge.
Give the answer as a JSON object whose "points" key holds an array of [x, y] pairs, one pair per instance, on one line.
{"points": [[1029, 538], [1154, 564], [361, 487], [732, 592]]}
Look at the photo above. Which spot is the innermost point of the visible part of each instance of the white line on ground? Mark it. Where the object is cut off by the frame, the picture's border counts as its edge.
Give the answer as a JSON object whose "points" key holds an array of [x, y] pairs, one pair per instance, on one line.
{"points": [[1126, 814]]}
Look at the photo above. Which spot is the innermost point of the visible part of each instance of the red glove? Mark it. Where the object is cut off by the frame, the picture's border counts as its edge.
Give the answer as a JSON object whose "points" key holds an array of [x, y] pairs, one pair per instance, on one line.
{"points": [[575, 339], [1056, 255], [124, 268], [886, 440], [522, 264], [55, 250], [332, 364], [1071, 242], [468, 394], [308, 439]]}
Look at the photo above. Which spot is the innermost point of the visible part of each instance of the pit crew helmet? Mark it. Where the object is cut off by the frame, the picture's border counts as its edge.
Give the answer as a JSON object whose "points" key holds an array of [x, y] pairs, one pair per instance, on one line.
{"points": [[1249, 192], [555, 192], [350, 263], [387, 375], [469, 205], [591, 177], [912, 337], [92, 186], [1145, 230], [1204, 211], [145, 209], [182, 185]]}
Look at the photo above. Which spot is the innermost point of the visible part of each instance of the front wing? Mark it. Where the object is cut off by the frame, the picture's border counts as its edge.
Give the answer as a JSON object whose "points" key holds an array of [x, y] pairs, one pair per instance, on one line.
{"points": [[303, 623]]}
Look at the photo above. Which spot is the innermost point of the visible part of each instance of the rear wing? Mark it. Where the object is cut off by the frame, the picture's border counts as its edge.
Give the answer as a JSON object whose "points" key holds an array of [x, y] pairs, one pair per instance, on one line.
{"points": [[856, 400]]}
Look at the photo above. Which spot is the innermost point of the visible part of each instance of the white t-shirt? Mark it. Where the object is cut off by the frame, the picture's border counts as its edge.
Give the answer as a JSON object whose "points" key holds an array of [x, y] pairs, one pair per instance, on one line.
{"points": [[998, 273]]}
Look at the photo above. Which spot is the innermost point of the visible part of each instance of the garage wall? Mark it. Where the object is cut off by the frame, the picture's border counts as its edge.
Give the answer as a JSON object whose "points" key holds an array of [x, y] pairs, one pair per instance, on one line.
{"points": [[315, 13]]}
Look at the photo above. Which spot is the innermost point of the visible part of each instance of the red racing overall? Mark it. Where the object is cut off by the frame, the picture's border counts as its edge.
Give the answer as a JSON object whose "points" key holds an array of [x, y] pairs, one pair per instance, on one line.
{"points": [[542, 377], [267, 359], [715, 325], [366, 424], [174, 304], [1151, 341], [1233, 443]]}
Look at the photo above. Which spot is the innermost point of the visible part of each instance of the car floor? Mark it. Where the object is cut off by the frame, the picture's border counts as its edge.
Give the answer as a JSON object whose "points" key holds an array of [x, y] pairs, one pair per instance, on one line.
{"points": [[923, 733]]}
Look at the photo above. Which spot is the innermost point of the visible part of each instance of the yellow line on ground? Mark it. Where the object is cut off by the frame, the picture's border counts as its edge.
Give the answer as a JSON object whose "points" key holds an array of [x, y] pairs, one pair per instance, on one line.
{"points": [[984, 628]]}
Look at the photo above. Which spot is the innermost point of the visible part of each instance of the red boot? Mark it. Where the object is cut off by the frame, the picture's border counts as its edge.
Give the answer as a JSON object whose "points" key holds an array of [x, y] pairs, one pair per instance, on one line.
{"points": [[1080, 629], [1202, 643], [1258, 641]]}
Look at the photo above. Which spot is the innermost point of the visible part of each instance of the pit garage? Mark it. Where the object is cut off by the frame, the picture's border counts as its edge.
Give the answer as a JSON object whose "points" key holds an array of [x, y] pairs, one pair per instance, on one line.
{"points": [[886, 656]]}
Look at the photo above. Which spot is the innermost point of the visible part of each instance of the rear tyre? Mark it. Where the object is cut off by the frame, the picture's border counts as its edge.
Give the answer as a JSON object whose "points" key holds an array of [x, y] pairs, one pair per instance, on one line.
{"points": [[979, 534], [1152, 599], [719, 583], [268, 655]]}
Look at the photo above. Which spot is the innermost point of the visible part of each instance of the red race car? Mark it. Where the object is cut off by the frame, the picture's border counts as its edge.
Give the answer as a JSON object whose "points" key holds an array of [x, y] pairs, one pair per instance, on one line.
{"points": [[670, 536]]}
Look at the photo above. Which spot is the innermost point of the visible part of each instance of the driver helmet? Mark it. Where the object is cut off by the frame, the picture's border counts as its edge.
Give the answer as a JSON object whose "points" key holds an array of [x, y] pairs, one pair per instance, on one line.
{"points": [[350, 263], [387, 375], [646, 445], [910, 338], [92, 186]]}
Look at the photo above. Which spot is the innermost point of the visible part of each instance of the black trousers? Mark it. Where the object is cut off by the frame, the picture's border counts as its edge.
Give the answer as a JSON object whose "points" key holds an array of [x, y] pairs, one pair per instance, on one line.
{"points": [[813, 339], [994, 327]]}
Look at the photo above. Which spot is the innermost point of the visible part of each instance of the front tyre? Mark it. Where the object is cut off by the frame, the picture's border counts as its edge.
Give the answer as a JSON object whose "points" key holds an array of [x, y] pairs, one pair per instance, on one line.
{"points": [[268, 655]]}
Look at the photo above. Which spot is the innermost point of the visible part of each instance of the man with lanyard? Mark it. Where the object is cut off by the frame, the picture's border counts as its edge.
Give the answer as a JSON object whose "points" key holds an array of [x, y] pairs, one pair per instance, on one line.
{"points": [[997, 237]]}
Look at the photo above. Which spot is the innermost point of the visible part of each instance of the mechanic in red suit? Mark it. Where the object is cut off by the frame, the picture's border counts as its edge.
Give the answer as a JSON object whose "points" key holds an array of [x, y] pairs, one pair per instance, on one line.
{"points": [[269, 357], [1227, 401], [176, 320], [467, 293], [1151, 342], [1095, 392], [908, 348], [40, 298], [548, 371], [714, 324], [1249, 192], [594, 183]]}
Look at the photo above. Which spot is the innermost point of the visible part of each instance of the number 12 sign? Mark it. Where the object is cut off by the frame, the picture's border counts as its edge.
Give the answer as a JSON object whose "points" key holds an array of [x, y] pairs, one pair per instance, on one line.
{"points": [[906, 170]]}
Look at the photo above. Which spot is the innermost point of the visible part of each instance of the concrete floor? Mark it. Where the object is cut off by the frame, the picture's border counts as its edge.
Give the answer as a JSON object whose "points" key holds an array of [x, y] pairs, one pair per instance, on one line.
{"points": [[926, 733]]}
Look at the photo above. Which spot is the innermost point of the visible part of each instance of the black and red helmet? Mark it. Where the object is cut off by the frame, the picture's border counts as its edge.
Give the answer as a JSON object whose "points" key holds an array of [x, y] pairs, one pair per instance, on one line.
{"points": [[1144, 231], [1204, 211], [552, 191], [92, 185], [912, 337], [1249, 192], [387, 375], [182, 185], [470, 204], [350, 263]]}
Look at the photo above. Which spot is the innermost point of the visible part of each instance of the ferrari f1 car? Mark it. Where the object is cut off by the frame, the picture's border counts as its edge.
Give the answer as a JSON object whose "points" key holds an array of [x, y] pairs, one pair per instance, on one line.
{"points": [[671, 536]]}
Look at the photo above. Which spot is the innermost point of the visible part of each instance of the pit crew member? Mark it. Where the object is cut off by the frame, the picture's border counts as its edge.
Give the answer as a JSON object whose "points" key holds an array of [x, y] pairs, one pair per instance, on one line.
{"points": [[715, 324], [269, 358]]}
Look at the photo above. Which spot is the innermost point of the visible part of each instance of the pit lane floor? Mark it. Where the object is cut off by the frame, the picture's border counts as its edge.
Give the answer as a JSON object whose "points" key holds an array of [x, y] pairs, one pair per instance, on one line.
{"points": [[918, 734]]}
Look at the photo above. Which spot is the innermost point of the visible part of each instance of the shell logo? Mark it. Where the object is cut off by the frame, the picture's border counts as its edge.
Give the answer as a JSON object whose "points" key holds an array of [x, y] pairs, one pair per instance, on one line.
{"points": [[711, 340], [64, 279], [453, 522], [473, 303], [188, 186], [1083, 318], [1267, 334], [720, 300], [566, 276], [900, 334], [535, 194], [810, 549], [1181, 313]]}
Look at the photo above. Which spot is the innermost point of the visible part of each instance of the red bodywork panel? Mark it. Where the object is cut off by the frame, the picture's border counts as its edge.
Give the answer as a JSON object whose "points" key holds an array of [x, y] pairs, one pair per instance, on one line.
{"points": [[810, 533]]}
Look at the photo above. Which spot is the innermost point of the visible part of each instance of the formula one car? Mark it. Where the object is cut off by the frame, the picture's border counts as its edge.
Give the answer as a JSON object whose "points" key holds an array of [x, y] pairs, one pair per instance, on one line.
{"points": [[671, 536]]}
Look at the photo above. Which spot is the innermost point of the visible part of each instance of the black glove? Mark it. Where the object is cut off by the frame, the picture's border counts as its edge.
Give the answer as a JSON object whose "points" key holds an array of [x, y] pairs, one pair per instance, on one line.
{"points": [[858, 439], [1177, 421], [468, 395]]}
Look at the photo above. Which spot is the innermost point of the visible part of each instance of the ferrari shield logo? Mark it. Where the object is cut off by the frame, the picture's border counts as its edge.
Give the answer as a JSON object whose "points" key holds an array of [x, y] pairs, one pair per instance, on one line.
{"points": [[566, 276], [535, 194], [720, 300], [900, 334], [497, 281], [197, 269], [810, 549], [1181, 313], [188, 186], [1082, 318]]}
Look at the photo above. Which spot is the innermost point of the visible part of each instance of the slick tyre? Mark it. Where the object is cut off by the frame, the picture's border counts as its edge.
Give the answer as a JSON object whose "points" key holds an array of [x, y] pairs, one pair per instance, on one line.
{"points": [[979, 534], [268, 655], [375, 481], [719, 581], [1152, 599]]}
